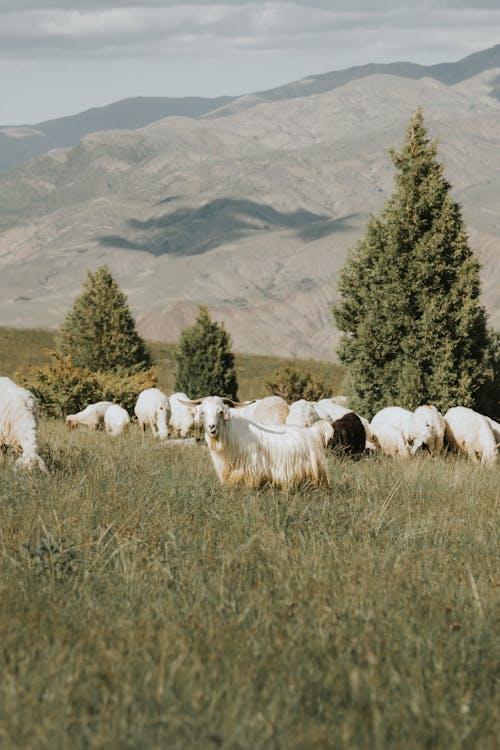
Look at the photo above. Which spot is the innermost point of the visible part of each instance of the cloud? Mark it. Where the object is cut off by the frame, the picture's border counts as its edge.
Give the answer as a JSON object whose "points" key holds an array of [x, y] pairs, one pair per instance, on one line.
{"points": [[51, 29]]}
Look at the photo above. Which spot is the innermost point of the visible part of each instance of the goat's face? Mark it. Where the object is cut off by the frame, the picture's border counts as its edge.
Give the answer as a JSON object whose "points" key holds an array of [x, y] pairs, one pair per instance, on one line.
{"points": [[213, 413]]}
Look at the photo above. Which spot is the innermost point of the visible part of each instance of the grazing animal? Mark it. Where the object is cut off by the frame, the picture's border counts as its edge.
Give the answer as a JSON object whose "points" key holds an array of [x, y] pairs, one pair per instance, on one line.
{"points": [[116, 420], [349, 434], [390, 439], [92, 416], [249, 453], [19, 424], [328, 408], [267, 410], [152, 409], [425, 429], [302, 413], [495, 426], [182, 418], [471, 433], [393, 415]]}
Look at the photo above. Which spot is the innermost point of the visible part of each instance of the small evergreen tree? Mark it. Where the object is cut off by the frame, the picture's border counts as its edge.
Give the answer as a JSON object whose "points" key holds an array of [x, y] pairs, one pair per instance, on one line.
{"points": [[99, 332], [414, 331], [204, 361]]}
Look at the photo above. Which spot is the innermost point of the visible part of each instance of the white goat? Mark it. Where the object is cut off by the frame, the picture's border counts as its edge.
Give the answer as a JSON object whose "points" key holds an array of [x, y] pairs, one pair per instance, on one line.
{"points": [[116, 420], [244, 452], [425, 428], [393, 415], [152, 409], [267, 410], [182, 418], [390, 439], [328, 408], [19, 423], [302, 413], [471, 433], [92, 416]]}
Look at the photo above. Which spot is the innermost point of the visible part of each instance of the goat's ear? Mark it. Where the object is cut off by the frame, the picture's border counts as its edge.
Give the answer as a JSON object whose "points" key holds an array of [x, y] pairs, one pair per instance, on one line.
{"points": [[227, 413], [238, 404], [191, 403]]}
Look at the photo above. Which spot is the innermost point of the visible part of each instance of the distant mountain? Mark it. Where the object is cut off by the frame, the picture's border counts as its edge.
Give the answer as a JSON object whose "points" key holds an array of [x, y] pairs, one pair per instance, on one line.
{"points": [[448, 73], [18, 143], [251, 213]]}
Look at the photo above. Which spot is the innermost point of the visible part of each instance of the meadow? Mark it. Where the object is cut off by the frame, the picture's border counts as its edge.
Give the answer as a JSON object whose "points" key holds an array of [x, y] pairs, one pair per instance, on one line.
{"points": [[145, 606]]}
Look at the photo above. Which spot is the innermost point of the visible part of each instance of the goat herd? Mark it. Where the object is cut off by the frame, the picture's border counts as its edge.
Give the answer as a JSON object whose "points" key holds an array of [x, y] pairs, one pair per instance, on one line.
{"points": [[264, 441]]}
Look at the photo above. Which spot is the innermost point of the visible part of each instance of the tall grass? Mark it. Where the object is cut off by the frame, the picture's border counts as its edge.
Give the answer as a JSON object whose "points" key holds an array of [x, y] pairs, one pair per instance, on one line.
{"points": [[144, 606]]}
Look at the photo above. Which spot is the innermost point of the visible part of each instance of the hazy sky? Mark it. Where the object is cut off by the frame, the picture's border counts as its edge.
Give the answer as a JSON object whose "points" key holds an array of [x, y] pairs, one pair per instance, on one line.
{"points": [[59, 57]]}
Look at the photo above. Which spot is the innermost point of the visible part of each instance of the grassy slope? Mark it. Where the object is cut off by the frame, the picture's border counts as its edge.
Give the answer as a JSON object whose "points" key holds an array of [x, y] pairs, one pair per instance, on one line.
{"points": [[21, 347], [170, 612]]}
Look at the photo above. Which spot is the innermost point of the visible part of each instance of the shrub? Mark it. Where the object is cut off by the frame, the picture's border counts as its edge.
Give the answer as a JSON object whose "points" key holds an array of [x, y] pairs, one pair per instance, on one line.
{"points": [[61, 388], [293, 385]]}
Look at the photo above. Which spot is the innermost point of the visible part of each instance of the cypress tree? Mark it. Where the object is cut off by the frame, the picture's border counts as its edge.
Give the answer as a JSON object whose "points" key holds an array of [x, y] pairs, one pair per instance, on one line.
{"points": [[99, 331], [204, 361], [414, 331]]}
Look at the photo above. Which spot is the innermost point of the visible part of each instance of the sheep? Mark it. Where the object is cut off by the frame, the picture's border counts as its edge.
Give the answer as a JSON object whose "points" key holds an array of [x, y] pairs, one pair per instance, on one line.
{"points": [[471, 433], [390, 439], [302, 413], [425, 429], [182, 418], [152, 409], [116, 420], [19, 423], [349, 434], [244, 452], [92, 416]]}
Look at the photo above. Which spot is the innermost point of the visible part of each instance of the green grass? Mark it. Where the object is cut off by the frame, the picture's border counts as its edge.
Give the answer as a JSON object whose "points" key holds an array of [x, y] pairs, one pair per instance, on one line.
{"points": [[20, 348], [144, 606]]}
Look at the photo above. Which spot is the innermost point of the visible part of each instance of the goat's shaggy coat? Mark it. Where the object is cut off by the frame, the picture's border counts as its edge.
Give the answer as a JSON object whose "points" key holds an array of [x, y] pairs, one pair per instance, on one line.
{"points": [[349, 434], [252, 454], [92, 416], [302, 413], [152, 410], [116, 420], [425, 429], [182, 417], [19, 423], [471, 433]]}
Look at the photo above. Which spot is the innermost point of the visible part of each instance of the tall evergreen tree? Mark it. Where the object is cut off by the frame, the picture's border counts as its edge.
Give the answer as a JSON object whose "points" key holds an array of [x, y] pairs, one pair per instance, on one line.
{"points": [[204, 361], [99, 331], [414, 331]]}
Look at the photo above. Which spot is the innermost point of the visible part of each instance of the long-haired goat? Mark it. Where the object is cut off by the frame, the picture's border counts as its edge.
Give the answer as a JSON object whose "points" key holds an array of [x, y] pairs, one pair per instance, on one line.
{"points": [[244, 452], [19, 423]]}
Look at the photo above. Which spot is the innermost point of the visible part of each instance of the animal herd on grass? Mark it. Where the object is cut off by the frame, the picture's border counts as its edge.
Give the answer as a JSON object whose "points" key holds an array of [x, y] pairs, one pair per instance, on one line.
{"points": [[263, 441]]}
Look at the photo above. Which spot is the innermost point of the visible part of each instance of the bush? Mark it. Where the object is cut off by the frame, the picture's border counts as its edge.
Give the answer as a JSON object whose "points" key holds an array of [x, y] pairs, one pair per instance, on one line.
{"points": [[293, 385], [61, 388]]}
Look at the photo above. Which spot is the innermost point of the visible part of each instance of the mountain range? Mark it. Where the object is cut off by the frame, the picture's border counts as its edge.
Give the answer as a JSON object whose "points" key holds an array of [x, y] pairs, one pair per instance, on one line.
{"points": [[245, 204]]}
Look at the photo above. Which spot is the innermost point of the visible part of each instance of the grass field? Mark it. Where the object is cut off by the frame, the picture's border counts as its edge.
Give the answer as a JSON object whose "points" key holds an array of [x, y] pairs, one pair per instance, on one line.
{"points": [[144, 606], [21, 347]]}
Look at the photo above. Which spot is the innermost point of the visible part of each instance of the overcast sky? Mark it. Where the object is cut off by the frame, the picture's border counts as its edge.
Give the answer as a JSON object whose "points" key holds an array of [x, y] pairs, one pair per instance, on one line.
{"points": [[59, 57]]}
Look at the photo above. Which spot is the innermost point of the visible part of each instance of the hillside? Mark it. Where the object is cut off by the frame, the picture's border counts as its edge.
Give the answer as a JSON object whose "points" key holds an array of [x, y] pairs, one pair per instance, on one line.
{"points": [[21, 142], [251, 214]]}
